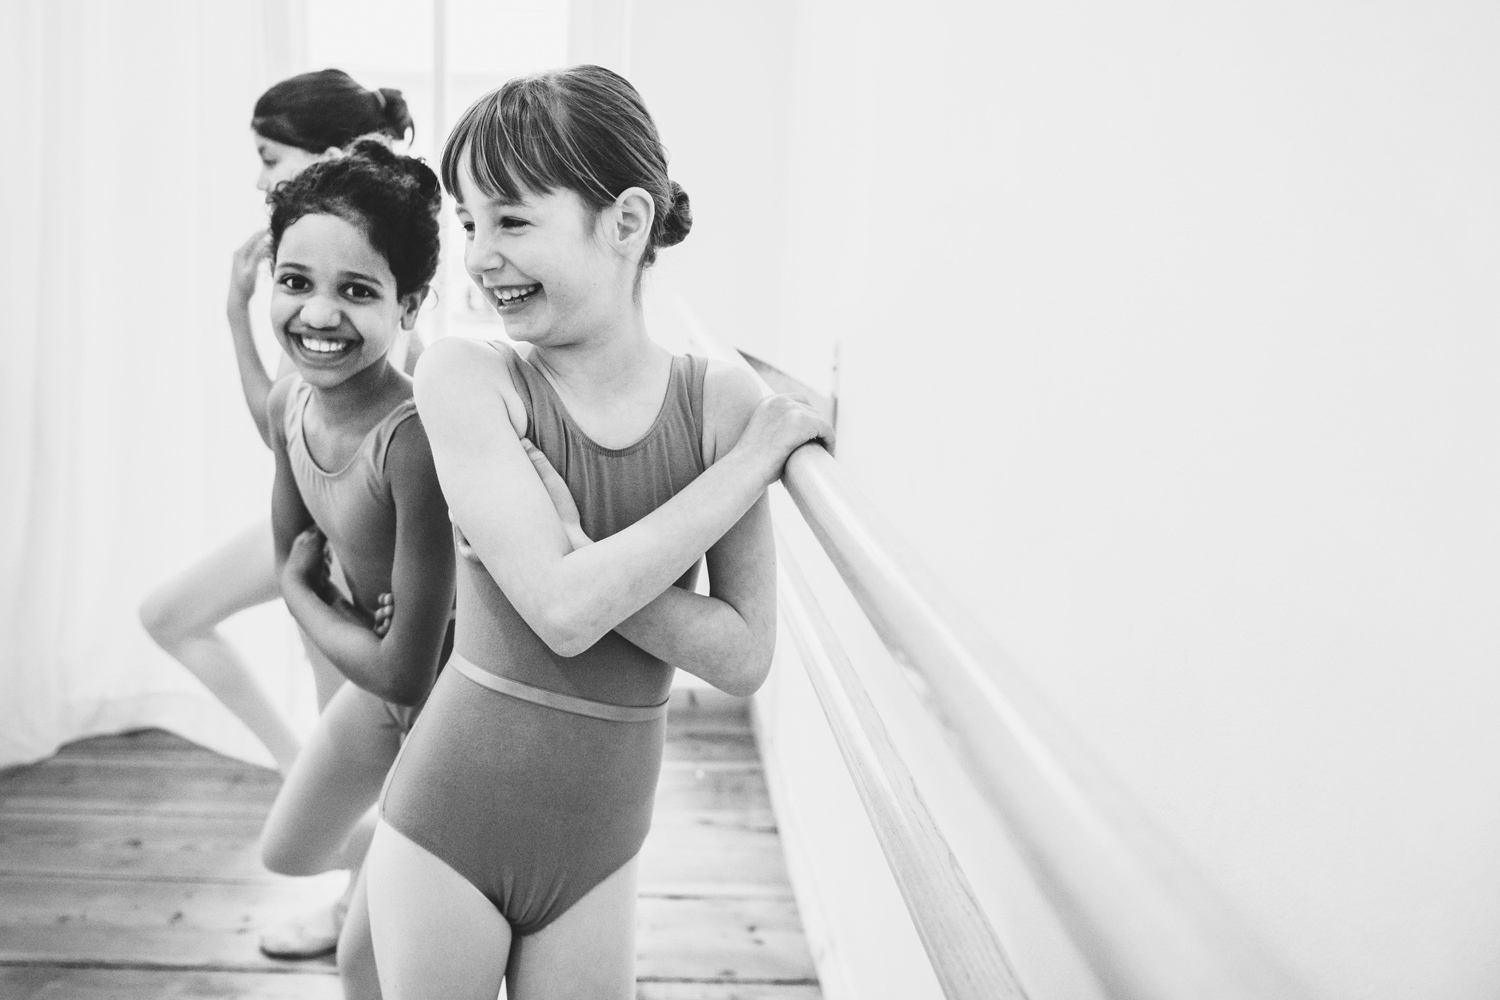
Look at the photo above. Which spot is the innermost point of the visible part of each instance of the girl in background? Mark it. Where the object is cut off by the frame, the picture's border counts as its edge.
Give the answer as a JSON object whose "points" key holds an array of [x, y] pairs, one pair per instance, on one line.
{"points": [[354, 243], [511, 824]]}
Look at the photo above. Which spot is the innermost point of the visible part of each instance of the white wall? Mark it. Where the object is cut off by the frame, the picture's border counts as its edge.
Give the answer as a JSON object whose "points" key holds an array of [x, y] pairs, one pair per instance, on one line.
{"points": [[1169, 337]]}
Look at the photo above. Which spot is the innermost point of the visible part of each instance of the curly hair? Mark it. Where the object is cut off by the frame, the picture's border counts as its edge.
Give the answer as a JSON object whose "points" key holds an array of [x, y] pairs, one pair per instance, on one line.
{"points": [[585, 129], [391, 198], [326, 108]]}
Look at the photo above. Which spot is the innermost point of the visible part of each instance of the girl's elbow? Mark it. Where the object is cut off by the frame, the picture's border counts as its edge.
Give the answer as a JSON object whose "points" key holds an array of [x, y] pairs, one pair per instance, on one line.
{"points": [[745, 677], [562, 631], [406, 687]]}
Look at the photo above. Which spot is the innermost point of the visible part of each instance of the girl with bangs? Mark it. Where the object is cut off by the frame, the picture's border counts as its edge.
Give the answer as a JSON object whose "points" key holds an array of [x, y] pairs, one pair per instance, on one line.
{"points": [[589, 473]]}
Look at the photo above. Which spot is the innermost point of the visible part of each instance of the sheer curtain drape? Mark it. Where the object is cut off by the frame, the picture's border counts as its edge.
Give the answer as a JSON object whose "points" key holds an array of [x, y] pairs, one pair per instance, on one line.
{"points": [[126, 179]]}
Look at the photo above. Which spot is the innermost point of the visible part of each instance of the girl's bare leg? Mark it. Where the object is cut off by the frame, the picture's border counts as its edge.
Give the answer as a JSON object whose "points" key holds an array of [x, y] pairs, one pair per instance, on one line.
{"points": [[183, 616], [436, 935], [356, 951], [322, 818], [588, 952]]}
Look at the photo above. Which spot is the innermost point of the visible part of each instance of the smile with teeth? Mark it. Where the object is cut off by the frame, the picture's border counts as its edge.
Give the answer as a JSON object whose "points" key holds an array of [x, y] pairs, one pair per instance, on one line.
{"points": [[509, 295], [322, 345]]}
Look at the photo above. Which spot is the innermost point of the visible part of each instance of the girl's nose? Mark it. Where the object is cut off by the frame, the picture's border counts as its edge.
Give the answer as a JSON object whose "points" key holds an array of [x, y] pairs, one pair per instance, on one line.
{"points": [[321, 314], [478, 259]]}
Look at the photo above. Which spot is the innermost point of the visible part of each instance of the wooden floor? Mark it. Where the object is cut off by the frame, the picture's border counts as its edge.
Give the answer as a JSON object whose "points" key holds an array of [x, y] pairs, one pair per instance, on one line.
{"points": [[129, 870]]}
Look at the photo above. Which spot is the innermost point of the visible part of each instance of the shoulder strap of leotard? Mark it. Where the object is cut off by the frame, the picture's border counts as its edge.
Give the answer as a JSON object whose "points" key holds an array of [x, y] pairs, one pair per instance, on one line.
{"points": [[297, 396], [697, 369], [385, 431], [514, 363]]}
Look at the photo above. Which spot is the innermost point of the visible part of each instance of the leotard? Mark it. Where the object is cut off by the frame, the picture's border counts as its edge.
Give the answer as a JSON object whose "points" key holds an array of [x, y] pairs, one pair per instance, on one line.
{"points": [[532, 774], [354, 508]]}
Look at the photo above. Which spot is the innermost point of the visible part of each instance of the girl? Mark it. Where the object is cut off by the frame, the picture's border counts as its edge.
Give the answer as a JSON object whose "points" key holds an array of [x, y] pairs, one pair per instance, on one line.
{"points": [[354, 241], [296, 122], [512, 822]]}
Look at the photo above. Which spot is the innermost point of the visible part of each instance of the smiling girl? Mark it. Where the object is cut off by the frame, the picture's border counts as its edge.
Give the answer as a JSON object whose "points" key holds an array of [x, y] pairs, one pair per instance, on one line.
{"points": [[354, 242], [295, 123], [511, 825]]}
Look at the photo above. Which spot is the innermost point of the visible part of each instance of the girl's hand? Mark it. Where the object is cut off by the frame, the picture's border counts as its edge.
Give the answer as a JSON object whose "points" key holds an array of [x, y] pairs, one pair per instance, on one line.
{"points": [[385, 606], [244, 266], [779, 426], [306, 563], [562, 498]]}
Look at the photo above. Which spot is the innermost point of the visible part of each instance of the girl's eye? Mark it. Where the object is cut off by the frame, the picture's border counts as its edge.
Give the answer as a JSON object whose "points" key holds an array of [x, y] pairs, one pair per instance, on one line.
{"points": [[511, 222], [293, 282], [469, 228], [359, 292]]}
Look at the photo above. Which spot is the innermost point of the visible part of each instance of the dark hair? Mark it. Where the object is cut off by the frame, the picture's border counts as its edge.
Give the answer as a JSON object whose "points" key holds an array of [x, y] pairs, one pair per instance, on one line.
{"points": [[585, 129], [392, 199], [323, 109]]}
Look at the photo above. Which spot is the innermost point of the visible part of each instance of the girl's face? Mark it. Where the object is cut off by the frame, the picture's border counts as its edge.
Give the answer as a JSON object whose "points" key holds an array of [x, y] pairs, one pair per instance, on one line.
{"points": [[333, 302], [541, 264], [279, 162]]}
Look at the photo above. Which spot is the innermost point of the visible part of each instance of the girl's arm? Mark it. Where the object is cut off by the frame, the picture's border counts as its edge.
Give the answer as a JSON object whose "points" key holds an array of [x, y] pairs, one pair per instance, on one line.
{"points": [[727, 637], [572, 598], [400, 665], [254, 381]]}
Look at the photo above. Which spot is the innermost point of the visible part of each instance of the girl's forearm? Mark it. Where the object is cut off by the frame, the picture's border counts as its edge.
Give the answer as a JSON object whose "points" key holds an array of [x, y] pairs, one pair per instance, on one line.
{"points": [[350, 645], [702, 635], [254, 380], [597, 587]]}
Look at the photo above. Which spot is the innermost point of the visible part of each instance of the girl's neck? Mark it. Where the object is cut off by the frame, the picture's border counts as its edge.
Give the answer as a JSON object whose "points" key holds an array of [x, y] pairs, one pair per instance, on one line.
{"points": [[614, 356], [367, 389]]}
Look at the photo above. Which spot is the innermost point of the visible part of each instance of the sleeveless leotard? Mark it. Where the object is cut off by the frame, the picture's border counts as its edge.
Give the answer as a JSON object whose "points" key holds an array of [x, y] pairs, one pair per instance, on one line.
{"points": [[353, 507], [533, 774]]}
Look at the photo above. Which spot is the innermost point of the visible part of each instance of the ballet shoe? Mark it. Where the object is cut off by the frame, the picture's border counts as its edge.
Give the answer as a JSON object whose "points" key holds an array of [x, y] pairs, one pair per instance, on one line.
{"points": [[311, 935]]}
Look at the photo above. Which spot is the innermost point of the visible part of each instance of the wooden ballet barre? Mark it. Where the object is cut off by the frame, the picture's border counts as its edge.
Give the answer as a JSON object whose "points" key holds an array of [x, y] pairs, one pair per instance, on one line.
{"points": [[1141, 916], [1148, 925]]}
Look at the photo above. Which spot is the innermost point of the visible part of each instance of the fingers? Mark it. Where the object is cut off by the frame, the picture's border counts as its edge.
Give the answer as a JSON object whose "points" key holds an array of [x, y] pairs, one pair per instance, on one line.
{"points": [[385, 607]]}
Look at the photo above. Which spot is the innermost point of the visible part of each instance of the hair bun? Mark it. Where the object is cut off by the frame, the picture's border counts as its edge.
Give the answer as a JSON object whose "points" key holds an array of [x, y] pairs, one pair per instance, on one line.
{"points": [[679, 219], [394, 112]]}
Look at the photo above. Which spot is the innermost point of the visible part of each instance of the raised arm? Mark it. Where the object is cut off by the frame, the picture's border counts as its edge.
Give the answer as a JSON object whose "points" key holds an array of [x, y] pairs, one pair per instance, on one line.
{"points": [[254, 380], [572, 598], [400, 665]]}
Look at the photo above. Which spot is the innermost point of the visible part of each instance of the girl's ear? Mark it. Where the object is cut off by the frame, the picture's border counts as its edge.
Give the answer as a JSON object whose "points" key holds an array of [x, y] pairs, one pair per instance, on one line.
{"points": [[627, 223], [331, 153], [411, 304]]}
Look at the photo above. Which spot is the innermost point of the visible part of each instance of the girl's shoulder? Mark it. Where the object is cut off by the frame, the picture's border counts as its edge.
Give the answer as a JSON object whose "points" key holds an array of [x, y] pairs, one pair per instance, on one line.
{"points": [[731, 393], [458, 379], [406, 454], [283, 391]]}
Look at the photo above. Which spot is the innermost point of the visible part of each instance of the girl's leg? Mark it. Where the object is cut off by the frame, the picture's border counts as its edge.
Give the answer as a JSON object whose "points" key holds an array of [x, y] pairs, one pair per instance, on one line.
{"points": [[314, 821], [355, 951], [322, 818], [436, 935], [183, 616], [588, 953]]}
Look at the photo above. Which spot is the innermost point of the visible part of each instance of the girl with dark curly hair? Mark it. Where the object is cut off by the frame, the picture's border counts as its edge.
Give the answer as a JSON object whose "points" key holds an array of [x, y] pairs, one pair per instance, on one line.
{"points": [[354, 244], [295, 123]]}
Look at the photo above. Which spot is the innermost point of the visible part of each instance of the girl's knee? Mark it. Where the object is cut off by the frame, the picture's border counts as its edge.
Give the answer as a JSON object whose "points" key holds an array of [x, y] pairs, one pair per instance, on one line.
{"points": [[285, 855], [162, 620]]}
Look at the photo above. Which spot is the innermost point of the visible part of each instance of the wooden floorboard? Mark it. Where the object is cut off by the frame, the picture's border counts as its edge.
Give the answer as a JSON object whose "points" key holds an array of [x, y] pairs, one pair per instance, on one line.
{"points": [[129, 868]]}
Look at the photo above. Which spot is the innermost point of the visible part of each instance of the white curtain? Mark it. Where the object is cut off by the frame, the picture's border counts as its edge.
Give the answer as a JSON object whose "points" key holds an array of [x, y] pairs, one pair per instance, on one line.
{"points": [[126, 179]]}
